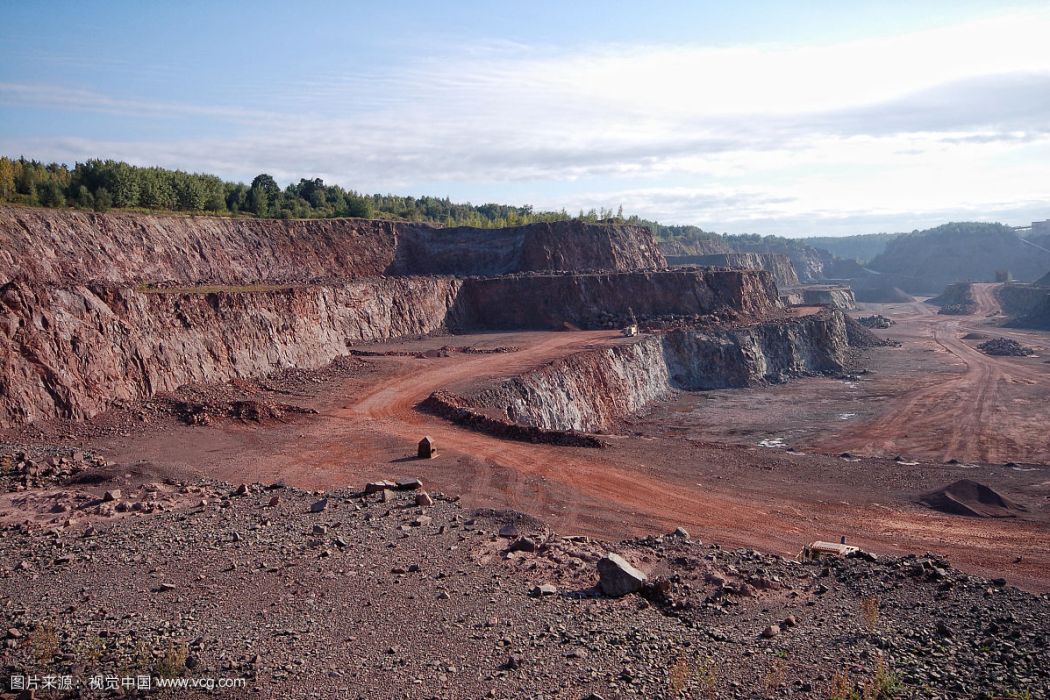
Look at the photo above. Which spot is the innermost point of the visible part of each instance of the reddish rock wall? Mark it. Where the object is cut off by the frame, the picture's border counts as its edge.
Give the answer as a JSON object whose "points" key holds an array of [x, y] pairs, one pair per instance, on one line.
{"points": [[69, 351], [61, 246]]}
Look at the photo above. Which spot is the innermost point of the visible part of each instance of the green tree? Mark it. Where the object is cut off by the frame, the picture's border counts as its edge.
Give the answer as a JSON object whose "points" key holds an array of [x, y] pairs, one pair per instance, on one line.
{"points": [[7, 178], [50, 194], [264, 191], [103, 200]]}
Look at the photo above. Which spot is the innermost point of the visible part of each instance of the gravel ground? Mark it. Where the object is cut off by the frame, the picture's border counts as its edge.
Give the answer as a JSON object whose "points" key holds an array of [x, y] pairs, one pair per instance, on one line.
{"points": [[374, 596]]}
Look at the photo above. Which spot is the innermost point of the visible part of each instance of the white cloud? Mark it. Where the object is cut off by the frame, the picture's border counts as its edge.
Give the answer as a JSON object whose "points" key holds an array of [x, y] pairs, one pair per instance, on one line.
{"points": [[935, 121]]}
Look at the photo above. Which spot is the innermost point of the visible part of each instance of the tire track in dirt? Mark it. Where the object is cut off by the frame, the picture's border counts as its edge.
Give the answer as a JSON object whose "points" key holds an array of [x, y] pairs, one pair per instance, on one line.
{"points": [[970, 416], [589, 491]]}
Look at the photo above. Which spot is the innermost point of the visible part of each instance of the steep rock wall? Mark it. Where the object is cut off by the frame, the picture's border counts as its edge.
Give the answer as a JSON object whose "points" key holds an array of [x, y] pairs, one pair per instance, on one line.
{"points": [[64, 246], [779, 265], [69, 351], [590, 390], [61, 246], [839, 297], [605, 299], [1028, 305], [542, 247]]}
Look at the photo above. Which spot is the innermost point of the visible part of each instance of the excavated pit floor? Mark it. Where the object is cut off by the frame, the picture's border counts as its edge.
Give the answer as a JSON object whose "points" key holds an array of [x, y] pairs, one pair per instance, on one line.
{"points": [[652, 479], [934, 398]]}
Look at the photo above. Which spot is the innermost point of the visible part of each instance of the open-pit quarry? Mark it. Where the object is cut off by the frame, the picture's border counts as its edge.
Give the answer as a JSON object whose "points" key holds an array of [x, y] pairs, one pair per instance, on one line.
{"points": [[180, 357]]}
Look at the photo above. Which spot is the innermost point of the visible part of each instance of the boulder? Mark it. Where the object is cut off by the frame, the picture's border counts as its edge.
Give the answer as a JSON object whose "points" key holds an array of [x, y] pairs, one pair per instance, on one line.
{"points": [[617, 577]]}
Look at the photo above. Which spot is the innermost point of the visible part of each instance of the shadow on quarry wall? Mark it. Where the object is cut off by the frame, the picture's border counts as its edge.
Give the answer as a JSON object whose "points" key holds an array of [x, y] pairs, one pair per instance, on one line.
{"points": [[606, 300], [956, 300], [1028, 305], [590, 390]]}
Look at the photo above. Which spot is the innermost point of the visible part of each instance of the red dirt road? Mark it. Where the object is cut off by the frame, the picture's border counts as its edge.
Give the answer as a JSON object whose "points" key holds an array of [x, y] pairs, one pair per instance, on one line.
{"points": [[732, 495], [993, 410]]}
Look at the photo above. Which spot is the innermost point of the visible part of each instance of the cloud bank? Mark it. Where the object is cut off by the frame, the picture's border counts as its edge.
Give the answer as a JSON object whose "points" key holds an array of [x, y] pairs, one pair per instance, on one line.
{"points": [[880, 134]]}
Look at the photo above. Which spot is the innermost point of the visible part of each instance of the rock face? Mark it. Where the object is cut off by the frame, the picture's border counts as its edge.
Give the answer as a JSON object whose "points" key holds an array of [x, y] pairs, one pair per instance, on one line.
{"points": [[98, 307], [1027, 304], [777, 264], [590, 390], [600, 300], [826, 295], [561, 245], [808, 264], [69, 351], [63, 246], [956, 300]]}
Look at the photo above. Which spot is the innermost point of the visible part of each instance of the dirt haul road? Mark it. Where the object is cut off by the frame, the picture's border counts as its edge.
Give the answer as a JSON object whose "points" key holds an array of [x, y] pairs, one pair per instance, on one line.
{"points": [[730, 495], [993, 410]]}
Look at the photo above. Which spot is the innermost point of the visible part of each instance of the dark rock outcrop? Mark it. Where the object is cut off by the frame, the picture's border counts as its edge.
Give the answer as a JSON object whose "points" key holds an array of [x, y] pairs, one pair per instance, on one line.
{"points": [[606, 300], [1028, 305], [956, 300], [838, 296]]}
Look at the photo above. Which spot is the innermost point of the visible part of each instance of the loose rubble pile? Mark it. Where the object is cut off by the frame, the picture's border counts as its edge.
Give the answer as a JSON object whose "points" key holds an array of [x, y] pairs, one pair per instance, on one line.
{"points": [[193, 413], [961, 309], [877, 321], [1004, 347], [19, 471], [396, 592]]}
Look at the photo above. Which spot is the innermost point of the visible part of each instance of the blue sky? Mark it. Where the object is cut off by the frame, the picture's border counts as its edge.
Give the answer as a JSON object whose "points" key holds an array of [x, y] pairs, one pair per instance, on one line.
{"points": [[771, 117]]}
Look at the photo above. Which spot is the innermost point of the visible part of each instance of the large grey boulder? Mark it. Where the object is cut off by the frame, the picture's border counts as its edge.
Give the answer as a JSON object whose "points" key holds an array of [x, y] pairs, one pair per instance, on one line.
{"points": [[616, 576]]}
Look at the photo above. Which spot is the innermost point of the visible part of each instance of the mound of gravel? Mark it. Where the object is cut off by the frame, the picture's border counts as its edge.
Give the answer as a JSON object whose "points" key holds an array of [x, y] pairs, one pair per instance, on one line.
{"points": [[973, 499], [1005, 347]]}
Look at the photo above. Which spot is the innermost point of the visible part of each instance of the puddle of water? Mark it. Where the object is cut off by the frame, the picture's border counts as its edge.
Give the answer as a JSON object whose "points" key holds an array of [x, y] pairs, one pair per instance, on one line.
{"points": [[909, 464], [772, 442], [846, 416], [1023, 469]]}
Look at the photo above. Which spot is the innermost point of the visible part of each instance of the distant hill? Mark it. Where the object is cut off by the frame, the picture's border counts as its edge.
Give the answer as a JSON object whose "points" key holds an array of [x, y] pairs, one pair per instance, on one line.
{"points": [[925, 262], [861, 248]]}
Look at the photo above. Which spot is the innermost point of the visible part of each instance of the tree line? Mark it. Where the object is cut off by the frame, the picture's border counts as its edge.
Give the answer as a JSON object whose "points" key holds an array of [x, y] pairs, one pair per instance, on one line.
{"points": [[101, 185]]}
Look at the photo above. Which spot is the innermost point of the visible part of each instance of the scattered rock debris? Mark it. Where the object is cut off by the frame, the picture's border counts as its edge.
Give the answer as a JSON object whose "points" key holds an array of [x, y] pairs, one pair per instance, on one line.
{"points": [[1006, 347], [342, 602]]}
